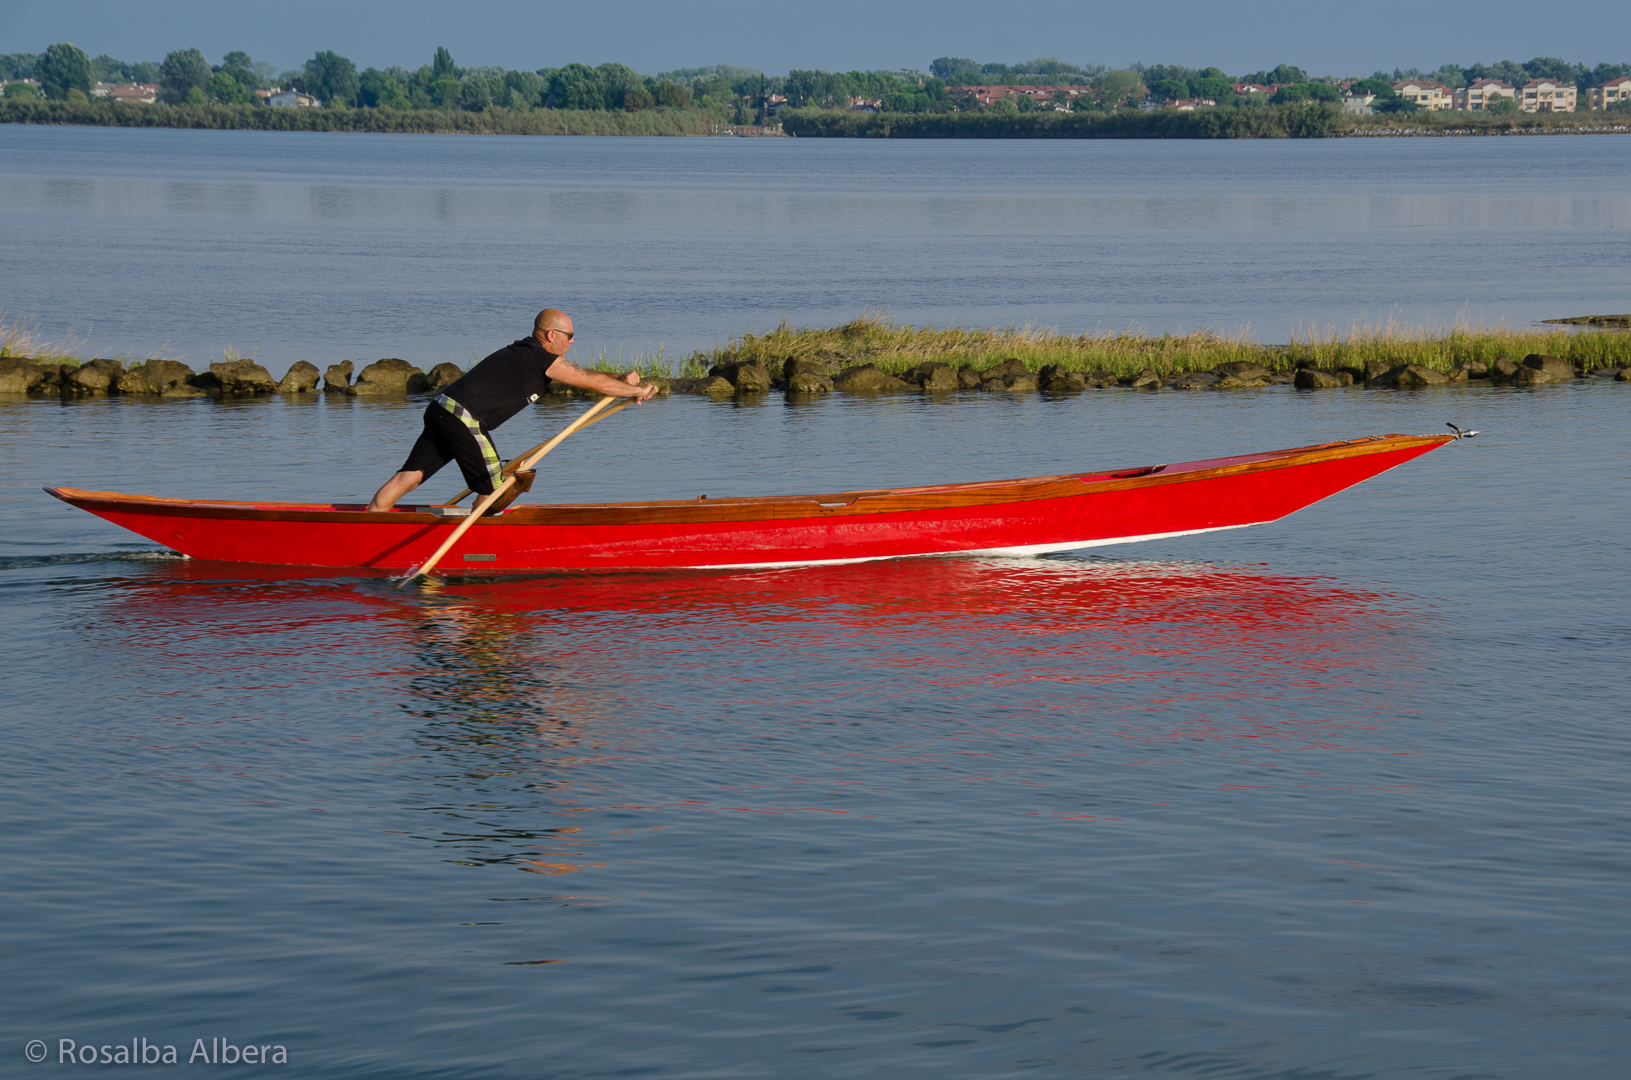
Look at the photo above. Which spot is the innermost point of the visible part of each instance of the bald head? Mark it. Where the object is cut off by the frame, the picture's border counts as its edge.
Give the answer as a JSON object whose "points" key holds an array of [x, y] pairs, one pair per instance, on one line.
{"points": [[551, 319]]}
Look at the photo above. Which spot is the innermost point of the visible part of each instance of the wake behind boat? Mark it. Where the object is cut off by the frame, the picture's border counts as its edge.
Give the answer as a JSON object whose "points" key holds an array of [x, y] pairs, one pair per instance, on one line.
{"points": [[1006, 517]]}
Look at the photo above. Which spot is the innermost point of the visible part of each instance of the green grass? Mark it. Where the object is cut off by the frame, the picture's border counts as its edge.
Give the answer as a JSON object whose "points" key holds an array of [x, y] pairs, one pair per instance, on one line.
{"points": [[20, 339], [895, 348]]}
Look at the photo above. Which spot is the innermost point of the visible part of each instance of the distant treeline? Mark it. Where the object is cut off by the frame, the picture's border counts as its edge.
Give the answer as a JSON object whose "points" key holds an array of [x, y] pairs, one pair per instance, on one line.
{"points": [[186, 77], [379, 120]]}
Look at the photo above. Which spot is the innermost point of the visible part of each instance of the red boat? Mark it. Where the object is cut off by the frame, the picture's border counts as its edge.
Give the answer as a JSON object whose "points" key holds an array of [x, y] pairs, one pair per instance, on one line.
{"points": [[1005, 517]]}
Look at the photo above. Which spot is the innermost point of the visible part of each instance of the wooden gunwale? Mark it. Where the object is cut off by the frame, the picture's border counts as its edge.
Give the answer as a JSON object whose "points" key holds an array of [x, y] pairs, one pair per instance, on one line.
{"points": [[773, 507]]}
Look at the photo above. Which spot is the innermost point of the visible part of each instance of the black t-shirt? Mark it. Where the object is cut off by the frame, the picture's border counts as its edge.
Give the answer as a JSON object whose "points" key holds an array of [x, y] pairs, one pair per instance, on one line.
{"points": [[504, 383]]}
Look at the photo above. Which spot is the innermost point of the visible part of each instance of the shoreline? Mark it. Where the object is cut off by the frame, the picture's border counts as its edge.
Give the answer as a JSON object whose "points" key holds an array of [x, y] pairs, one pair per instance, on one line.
{"points": [[1296, 121], [869, 356]]}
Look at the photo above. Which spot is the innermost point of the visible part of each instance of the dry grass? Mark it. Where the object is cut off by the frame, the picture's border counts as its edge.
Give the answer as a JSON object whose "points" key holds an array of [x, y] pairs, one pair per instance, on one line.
{"points": [[20, 339], [872, 339]]}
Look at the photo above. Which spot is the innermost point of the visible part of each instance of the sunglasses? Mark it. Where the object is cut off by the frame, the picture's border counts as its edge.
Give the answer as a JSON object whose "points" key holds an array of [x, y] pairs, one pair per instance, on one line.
{"points": [[557, 330]]}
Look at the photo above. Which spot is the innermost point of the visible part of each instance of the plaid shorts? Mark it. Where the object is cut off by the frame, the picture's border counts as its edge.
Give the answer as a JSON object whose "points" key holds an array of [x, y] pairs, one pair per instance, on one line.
{"points": [[452, 434]]}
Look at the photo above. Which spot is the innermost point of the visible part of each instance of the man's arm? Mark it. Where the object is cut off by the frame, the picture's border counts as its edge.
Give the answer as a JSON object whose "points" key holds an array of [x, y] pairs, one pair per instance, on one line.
{"points": [[564, 370]]}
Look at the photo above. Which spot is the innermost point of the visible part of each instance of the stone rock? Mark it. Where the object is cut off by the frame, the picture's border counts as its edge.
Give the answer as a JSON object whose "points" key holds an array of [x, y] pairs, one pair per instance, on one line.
{"points": [[1005, 370], [712, 385], [1237, 382], [1555, 366], [337, 379], [867, 379], [934, 376], [1624, 375], [1193, 380], [1503, 370], [1023, 383], [746, 378], [1145, 378], [112, 368], [21, 376], [1475, 369], [808, 382], [968, 378], [389, 376], [1315, 379], [299, 379], [1375, 369], [800, 365], [1056, 380], [1242, 369], [1409, 377], [1606, 373], [442, 376], [86, 381], [1101, 379], [164, 378], [243, 378], [1534, 376]]}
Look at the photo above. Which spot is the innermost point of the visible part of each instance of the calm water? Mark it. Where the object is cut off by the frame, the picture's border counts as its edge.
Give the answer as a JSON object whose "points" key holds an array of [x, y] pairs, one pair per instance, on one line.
{"points": [[328, 247], [1338, 797]]}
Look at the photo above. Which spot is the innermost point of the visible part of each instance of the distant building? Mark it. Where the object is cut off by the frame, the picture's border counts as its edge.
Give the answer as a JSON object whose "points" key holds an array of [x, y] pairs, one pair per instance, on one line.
{"points": [[1042, 95], [866, 105], [1358, 104], [291, 99], [134, 93], [1612, 92], [1189, 104], [1250, 88], [1547, 95], [1425, 93], [1482, 94]]}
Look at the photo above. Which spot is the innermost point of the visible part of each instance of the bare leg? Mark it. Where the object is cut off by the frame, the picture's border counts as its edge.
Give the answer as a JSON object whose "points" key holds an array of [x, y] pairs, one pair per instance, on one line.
{"points": [[396, 487]]}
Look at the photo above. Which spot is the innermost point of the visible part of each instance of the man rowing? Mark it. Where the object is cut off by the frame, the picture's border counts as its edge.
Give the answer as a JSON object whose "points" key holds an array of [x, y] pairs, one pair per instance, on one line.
{"points": [[459, 423]]}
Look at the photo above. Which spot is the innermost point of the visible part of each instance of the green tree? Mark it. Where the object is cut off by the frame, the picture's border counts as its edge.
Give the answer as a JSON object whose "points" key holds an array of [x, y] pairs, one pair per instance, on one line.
{"points": [[671, 96], [76, 96], [523, 90], [575, 86], [1379, 87], [1396, 105], [442, 66], [1116, 88], [1169, 89], [446, 92], [638, 100], [252, 74], [1215, 87], [21, 91], [183, 71], [616, 80], [229, 91], [956, 70], [332, 79], [1502, 105], [61, 68], [17, 65], [379, 90], [1546, 67]]}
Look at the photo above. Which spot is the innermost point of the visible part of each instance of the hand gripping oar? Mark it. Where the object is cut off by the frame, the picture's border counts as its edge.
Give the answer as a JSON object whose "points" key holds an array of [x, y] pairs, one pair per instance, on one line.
{"points": [[515, 463], [487, 500]]}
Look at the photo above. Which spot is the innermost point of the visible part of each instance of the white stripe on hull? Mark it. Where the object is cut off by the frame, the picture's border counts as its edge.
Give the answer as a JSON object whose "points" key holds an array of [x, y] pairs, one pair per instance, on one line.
{"points": [[1007, 552]]}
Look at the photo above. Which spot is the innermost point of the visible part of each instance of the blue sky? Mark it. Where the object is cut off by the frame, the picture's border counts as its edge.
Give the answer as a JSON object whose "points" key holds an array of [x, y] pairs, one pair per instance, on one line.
{"points": [[1339, 39]]}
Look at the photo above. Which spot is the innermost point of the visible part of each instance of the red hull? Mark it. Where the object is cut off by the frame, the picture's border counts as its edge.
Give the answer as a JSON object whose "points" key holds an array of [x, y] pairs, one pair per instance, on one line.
{"points": [[1054, 513]]}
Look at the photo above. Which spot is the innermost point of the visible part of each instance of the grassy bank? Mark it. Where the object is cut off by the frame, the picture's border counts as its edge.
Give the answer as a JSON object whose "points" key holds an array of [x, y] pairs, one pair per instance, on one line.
{"points": [[1298, 120], [383, 121], [895, 349]]}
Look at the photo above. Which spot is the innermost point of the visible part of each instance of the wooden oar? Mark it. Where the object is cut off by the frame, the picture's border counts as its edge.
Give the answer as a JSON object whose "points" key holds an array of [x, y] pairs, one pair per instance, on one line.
{"points": [[487, 500], [514, 464]]}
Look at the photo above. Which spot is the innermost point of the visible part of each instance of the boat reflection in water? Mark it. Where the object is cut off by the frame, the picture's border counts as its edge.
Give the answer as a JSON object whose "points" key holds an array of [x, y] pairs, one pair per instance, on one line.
{"points": [[538, 700]]}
